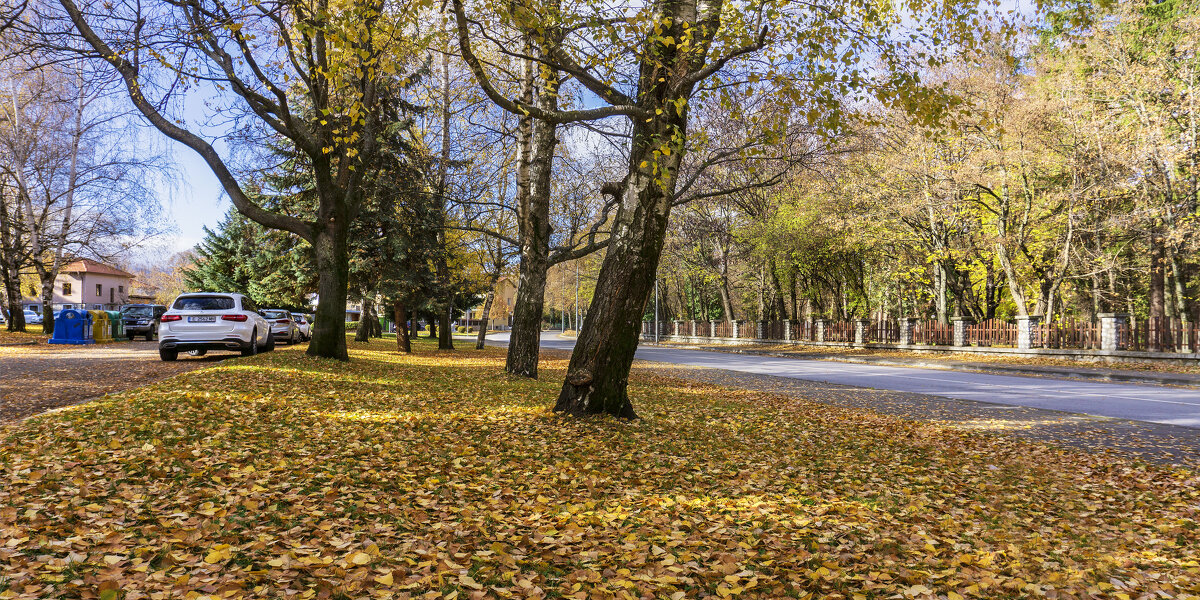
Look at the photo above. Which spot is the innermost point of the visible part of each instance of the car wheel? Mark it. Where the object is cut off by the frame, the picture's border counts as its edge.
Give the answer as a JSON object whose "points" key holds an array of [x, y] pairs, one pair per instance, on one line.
{"points": [[151, 335], [270, 343], [252, 348], [198, 352], [168, 355]]}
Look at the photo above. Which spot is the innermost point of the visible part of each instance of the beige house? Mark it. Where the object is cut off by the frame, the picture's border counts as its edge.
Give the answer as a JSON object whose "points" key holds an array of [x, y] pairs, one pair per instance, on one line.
{"points": [[89, 285], [502, 306]]}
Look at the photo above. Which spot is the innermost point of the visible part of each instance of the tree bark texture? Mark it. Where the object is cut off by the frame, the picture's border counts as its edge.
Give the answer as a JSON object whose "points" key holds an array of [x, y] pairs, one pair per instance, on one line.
{"points": [[598, 374], [533, 224], [333, 275], [403, 344], [484, 316]]}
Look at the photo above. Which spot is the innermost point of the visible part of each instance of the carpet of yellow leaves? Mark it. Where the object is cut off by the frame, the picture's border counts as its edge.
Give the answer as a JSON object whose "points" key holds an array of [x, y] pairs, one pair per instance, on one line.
{"points": [[436, 476]]}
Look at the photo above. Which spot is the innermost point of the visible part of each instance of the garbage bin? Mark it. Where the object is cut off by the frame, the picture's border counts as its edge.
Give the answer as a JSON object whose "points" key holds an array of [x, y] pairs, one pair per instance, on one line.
{"points": [[118, 325], [72, 327], [101, 328]]}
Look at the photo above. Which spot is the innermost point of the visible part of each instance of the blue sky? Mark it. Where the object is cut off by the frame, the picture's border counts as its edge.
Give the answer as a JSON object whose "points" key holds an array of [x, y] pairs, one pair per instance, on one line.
{"points": [[195, 201]]}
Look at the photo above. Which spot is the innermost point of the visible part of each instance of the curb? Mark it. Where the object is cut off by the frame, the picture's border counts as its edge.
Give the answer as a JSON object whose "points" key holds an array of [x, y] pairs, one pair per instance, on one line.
{"points": [[972, 368]]}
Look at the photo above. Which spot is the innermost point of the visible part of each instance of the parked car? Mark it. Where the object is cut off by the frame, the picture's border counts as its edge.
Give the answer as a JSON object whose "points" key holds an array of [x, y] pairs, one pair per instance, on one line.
{"points": [[142, 319], [282, 326], [199, 322], [33, 318], [303, 324]]}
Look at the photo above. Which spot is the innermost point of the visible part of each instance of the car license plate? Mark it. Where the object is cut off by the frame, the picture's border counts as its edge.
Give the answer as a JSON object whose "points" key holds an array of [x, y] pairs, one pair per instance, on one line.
{"points": [[202, 319]]}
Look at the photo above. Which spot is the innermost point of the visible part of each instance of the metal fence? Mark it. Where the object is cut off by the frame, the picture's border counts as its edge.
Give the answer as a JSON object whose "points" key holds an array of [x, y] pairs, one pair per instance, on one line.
{"points": [[1155, 335]]}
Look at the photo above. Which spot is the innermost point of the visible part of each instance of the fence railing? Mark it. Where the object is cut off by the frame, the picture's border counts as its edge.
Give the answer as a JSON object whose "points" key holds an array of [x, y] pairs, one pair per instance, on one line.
{"points": [[1160, 334], [933, 333], [1154, 335], [992, 332]]}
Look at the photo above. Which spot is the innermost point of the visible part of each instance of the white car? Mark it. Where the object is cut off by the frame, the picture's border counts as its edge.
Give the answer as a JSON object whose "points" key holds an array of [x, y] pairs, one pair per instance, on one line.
{"points": [[33, 318], [282, 326], [199, 322], [303, 325]]}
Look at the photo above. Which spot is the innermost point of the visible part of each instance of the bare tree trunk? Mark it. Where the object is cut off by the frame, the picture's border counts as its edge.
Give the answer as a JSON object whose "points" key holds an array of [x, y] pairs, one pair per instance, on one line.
{"points": [[533, 224], [779, 308], [939, 284], [403, 344], [1158, 282], [598, 375], [484, 316], [369, 321], [333, 273], [1180, 277]]}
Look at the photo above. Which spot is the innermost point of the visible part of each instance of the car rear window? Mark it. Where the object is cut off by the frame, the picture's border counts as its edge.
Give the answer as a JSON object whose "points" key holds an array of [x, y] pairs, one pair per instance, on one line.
{"points": [[204, 303], [275, 314]]}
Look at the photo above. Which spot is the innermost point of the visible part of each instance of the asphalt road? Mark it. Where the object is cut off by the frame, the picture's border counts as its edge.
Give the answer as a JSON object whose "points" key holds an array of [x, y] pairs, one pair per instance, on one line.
{"points": [[1137, 402]]}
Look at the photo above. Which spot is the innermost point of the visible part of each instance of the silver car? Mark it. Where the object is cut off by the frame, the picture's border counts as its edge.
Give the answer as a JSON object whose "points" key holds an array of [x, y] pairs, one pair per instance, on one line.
{"points": [[282, 325], [303, 325]]}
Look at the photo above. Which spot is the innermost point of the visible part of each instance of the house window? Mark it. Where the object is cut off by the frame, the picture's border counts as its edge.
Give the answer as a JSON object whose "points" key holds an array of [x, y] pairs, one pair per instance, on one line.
{"points": [[121, 289], [99, 290], [66, 289], [111, 292]]}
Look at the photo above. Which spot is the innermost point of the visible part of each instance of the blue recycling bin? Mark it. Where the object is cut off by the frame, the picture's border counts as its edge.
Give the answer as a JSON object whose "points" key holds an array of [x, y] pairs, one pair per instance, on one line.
{"points": [[73, 327]]}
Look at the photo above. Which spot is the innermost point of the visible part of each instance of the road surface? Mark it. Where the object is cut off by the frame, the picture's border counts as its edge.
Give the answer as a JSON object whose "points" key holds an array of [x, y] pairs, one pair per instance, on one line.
{"points": [[1138, 402]]}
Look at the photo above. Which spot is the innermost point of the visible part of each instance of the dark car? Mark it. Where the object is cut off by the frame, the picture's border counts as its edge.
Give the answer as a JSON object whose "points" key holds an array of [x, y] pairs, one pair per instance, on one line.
{"points": [[142, 319]]}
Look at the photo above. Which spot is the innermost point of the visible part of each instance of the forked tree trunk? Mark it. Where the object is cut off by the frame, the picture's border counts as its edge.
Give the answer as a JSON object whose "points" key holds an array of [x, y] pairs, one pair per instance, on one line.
{"points": [[333, 274], [403, 344]]}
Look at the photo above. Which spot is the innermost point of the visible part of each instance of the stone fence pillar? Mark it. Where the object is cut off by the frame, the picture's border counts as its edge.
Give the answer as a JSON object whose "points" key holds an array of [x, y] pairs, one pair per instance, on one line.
{"points": [[860, 331], [787, 330], [676, 328], [960, 329], [819, 325], [693, 334], [760, 332], [1027, 332], [712, 329], [738, 327], [1111, 326], [907, 325]]}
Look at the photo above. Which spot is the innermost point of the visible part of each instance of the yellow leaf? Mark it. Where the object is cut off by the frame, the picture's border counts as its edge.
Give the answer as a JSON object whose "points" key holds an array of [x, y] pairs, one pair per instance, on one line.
{"points": [[384, 580], [360, 558]]}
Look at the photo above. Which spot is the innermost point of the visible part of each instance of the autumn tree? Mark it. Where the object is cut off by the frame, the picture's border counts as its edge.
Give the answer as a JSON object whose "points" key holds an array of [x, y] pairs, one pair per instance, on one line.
{"points": [[308, 73], [656, 57]]}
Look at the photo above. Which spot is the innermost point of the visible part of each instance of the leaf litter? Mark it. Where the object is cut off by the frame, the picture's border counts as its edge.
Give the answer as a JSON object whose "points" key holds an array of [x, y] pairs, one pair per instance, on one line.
{"points": [[436, 476]]}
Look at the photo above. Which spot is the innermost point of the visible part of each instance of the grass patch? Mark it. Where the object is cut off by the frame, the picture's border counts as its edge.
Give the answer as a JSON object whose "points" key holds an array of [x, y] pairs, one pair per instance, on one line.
{"points": [[436, 474]]}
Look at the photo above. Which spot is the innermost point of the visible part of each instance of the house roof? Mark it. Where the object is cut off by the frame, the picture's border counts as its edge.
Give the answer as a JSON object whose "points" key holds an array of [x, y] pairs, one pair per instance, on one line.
{"points": [[87, 265]]}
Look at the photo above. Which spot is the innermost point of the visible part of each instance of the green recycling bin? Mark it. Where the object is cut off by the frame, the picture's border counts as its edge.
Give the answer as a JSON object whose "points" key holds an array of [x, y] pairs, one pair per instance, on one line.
{"points": [[118, 325]]}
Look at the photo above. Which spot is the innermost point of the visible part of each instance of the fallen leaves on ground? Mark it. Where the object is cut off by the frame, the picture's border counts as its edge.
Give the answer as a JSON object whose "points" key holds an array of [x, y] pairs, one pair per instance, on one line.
{"points": [[437, 476]]}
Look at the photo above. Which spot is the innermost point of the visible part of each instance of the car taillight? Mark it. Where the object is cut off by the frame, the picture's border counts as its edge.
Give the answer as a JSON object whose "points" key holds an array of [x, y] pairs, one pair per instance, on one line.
{"points": [[233, 317], [169, 318], [284, 321]]}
